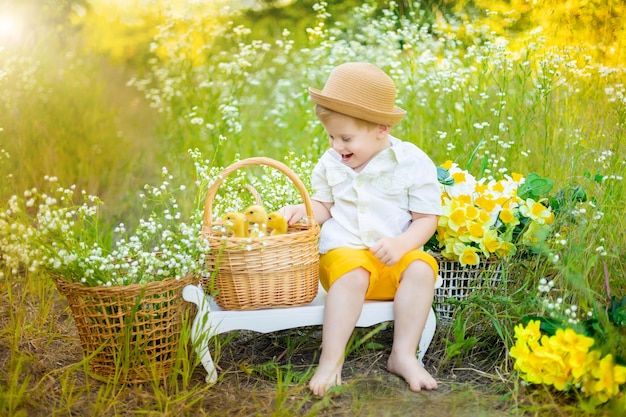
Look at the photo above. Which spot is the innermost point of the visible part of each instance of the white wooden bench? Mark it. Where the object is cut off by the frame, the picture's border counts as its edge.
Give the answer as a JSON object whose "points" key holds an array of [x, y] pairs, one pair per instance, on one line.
{"points": [[211, 320]]}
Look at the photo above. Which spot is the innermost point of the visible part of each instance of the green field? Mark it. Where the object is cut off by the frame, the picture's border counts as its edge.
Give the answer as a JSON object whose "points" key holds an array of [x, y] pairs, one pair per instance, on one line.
{"points": [[105, 105]]}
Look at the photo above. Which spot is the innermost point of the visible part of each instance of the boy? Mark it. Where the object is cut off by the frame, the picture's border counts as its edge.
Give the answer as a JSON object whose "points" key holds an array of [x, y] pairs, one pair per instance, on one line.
{"points": [[377, 199]]}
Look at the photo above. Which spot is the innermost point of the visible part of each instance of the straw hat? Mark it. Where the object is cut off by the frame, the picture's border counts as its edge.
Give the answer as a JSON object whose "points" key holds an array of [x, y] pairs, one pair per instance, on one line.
{"points": [[360, 90]]}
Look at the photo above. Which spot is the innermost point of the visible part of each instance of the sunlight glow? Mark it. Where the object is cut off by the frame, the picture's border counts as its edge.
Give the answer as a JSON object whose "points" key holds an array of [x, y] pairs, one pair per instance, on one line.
{"points": [[11, 28]]}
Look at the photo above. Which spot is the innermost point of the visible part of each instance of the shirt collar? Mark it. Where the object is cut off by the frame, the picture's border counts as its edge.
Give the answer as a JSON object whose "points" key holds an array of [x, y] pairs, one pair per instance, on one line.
{"points": [[386, 158], [395, 148]]}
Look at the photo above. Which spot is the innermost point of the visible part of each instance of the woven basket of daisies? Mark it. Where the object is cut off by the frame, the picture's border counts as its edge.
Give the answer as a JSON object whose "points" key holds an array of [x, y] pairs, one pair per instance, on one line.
{"points": [[267, 271], [129, 333], [459, 282]]}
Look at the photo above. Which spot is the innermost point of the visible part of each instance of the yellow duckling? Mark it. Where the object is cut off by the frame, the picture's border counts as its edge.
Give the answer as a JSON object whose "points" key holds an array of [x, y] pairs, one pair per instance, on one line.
{"points": [[237, 223], [277, 223], [257, 215]]}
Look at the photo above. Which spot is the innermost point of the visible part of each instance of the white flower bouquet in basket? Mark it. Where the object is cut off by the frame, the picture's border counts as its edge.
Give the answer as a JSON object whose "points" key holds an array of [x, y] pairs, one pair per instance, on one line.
{"points": [[46, 230], [484, 221]]}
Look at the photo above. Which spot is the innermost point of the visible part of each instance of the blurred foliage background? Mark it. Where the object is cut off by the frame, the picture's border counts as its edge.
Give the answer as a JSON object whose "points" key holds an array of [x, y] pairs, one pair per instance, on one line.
{"points": [[80, 71]]}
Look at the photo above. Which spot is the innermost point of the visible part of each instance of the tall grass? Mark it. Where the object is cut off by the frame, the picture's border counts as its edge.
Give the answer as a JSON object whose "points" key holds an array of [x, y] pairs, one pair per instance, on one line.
{"points": [[480, 102], [71, 117]]}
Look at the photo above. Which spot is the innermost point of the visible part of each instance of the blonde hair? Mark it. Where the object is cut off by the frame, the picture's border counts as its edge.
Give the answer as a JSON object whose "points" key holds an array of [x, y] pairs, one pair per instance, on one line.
{"points": [[324, 113]]}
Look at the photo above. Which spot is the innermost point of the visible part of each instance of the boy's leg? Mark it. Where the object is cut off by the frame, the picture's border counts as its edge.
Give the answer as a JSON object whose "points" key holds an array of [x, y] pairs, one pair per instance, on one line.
{"points": [[342, 309], [412, 305]]}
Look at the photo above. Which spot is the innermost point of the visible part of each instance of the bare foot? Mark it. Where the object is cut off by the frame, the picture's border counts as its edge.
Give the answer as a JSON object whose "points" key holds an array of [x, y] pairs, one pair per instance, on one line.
{"points": [[409, 368], [326, 377]]}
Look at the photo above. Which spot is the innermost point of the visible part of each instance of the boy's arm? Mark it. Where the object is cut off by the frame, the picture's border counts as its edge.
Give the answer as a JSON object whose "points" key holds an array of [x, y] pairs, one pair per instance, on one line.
{"points": [[391, 249]]}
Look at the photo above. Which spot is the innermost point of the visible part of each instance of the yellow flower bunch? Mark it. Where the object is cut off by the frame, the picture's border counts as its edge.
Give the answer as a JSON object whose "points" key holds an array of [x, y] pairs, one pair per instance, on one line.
{"points": [[487, 217], [566, 361]]}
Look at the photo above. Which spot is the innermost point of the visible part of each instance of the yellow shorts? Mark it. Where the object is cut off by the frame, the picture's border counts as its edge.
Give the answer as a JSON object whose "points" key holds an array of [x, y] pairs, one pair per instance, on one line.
{"points": [[384, 280]]}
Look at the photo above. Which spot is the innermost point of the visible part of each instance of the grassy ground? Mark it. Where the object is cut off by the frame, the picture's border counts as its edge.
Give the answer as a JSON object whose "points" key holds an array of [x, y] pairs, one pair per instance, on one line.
{"points": [[471, 97], [259, 374]]}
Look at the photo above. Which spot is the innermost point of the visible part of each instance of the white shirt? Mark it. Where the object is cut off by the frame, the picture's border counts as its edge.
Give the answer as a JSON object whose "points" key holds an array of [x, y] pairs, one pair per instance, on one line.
{"points": [[377, 201]]}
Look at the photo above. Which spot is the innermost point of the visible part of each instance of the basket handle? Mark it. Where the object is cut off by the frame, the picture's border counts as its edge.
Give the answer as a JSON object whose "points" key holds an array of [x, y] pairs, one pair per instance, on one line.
{"points": [[208, 202]]}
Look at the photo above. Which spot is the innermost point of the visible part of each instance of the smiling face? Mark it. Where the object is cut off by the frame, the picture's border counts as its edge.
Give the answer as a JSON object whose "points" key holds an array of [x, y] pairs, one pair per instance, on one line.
{"points": [[357, 142]]}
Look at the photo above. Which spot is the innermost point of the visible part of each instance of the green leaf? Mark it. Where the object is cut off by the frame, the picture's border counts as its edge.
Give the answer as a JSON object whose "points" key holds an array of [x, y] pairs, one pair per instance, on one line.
{"points": [[374, 346], [471, 158], [597, 177], [566, 196], [461, 343], [617, 311], [483, 166], [535, 187]]}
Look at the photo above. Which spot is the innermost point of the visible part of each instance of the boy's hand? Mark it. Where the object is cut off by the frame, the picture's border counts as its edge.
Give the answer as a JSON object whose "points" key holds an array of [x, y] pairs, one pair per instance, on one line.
{"points": [[293, 214], [388, 250]]}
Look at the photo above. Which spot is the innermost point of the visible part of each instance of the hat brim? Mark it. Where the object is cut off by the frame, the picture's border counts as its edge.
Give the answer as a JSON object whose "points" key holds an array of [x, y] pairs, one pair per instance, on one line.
{"points": [[357, 111]]}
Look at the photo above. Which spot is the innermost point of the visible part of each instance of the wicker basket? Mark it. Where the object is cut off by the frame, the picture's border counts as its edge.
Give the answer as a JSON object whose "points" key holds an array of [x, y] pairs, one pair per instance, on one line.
{"points": [[267, 272], [460, 282], [130, 333]]}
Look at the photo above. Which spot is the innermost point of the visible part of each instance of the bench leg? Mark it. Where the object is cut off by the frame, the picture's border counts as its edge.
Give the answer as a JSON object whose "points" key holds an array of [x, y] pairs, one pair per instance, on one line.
{"points": [[201, 330], [427, 335]]}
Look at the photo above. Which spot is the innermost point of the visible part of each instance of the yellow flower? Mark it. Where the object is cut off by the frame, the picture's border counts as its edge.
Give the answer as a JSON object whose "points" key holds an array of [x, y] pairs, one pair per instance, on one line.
{"points": [[471, 212], [485, 218], [533, 371], [588, 381], [530, 334], [447, 164], [498, 186], [506, 249], [520, 351], [565, 360], [490, 243], [536, 211], [517, 177], [487, 204], [620, 374], [540, 359], [443, 233], [464, 199], [457, 219], [554, 368], [459, 177], [535, 233], [448, 251], [574, 348], [476, 231], [481, 188], [508, 217], [467, 254], [607, 385], [506, 202]]}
